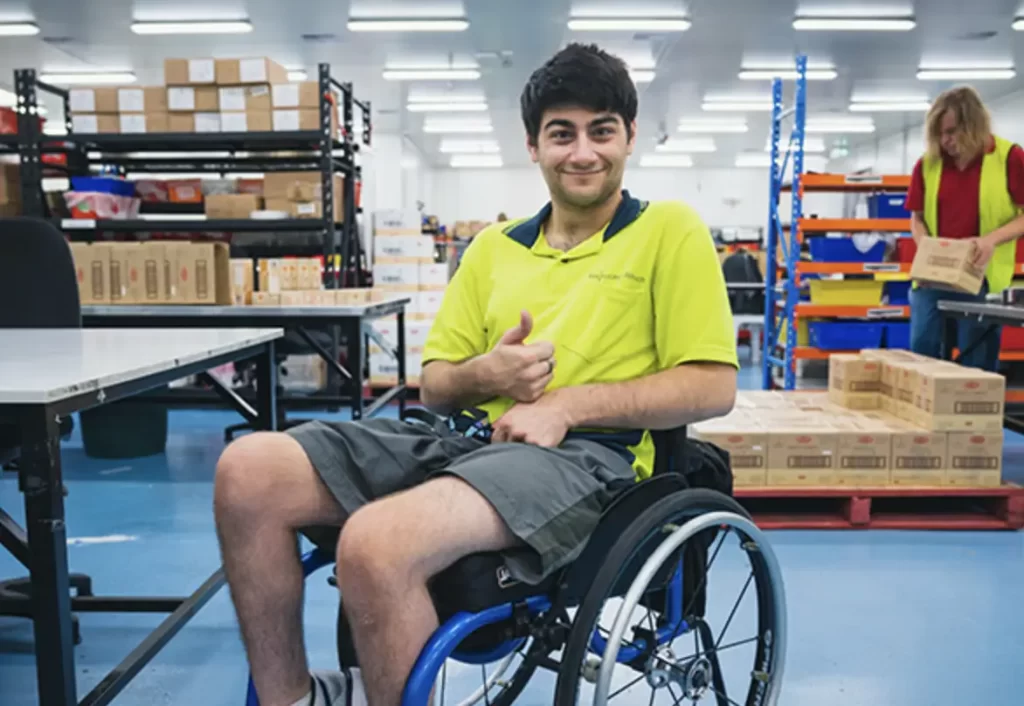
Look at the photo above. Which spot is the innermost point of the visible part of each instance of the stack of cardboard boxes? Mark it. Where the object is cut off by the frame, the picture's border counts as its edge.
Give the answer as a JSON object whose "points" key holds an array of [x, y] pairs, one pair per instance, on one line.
{"points": [[203, 95], [10, 190], [157, 272], [889, 418], [403, 265], [468, 229]]}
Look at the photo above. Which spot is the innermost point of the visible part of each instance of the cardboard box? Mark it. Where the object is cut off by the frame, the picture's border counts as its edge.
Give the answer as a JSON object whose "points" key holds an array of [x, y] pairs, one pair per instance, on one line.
{"points": [[269, 275], [119, 267], [975, 460], [945, 263], [428, 303], [93, 100], [208, 270], [105, 124], [297, 186], [748, 452], [954, 398], [185, 190], [303, 94], [848, 372], [92, 269], [10, 185], [142, 99], [289, 273], [855, 400], [310, 275], [864, 452], [919, 457], [433, 276], [190, 99], [404, 278], [232, 206], [189, 72], [207, 122], [397, 222], [259, 70], [181, 122], [352, 296], [245, 98], [801, 455], [153, 287], [266, 299], [291, 119], [249, 121], [403, 249], [137, 123], [242, 281]]}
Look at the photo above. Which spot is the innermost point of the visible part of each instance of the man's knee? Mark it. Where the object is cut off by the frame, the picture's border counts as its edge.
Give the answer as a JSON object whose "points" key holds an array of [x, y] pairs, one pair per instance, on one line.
{"points": [[369, 549], [253, 470]]}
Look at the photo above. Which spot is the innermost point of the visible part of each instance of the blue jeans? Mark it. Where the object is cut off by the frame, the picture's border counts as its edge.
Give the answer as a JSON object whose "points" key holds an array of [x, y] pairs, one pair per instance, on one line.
{"points": [[927, 329]]}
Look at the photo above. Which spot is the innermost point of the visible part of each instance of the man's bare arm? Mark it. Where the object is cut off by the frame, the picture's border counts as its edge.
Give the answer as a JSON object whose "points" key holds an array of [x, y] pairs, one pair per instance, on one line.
{"points": [[682, 395], [446, 387]]}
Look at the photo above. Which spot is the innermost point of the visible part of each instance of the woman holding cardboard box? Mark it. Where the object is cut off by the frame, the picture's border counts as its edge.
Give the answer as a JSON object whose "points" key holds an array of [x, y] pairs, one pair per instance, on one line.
{"points": [[969, 184]]}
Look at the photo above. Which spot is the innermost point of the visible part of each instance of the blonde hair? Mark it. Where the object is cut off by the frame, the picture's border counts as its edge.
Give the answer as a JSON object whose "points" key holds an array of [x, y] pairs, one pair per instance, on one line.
{"points": [[974, 125]]}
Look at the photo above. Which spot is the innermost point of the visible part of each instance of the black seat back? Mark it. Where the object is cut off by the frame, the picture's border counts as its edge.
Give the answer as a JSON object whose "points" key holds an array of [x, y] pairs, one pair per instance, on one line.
{"points": [[38, 285]]}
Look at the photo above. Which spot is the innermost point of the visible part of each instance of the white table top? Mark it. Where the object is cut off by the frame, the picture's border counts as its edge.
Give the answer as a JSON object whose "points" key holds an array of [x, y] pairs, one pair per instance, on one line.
{"points": [[39, 366], [204, 311]]}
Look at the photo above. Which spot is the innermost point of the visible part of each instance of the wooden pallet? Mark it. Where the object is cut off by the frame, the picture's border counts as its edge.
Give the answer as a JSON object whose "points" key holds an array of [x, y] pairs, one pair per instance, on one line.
{"points": [[886, 508]]}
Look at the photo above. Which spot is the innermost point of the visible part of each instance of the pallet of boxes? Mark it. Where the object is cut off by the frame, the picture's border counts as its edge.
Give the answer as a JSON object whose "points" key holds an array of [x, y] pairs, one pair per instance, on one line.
{"points": [[889, 418], [202, 95], [403, 265], [154, 272]]}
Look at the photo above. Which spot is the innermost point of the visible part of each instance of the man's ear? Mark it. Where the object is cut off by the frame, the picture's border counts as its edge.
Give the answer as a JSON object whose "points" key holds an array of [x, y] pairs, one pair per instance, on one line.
{"points": [[531, 147], [632, 138]]}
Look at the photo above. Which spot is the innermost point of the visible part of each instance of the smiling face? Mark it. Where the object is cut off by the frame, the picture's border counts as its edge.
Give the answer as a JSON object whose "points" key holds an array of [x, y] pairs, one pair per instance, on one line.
{"points": [[582, 154]]}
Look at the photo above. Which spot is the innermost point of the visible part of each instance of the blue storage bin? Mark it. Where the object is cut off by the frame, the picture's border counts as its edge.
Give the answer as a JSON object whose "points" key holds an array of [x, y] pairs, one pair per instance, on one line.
{"points": [[897, 335], [887, 206], [898, 293], [103, 185], [845, 335], [843, 250]]}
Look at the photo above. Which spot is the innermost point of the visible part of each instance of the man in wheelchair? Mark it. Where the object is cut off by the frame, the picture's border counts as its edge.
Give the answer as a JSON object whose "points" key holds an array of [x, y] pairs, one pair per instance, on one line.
{"points": [[562, 341]]}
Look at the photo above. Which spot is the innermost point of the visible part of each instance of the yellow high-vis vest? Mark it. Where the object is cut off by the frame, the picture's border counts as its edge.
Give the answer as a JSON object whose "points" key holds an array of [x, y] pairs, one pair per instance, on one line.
{"points": [[995, 207]]}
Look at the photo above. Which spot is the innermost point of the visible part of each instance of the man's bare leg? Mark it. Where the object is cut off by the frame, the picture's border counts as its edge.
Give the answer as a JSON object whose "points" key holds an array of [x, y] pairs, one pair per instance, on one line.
{"points": [[387, 552], [265, 490]]}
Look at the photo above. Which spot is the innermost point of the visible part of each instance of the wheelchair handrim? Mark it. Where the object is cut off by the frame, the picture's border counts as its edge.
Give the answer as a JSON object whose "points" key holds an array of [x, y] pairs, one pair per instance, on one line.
{"points": [[772, 663]]}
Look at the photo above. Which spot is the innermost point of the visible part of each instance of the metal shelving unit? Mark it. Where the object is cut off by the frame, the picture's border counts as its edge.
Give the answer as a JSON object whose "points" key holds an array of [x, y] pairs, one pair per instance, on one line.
{"points": [[317, 150]]}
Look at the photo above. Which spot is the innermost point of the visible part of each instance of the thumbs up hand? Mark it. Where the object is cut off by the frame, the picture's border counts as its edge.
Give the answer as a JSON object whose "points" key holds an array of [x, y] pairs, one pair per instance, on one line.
{"points": [[521, 370]]}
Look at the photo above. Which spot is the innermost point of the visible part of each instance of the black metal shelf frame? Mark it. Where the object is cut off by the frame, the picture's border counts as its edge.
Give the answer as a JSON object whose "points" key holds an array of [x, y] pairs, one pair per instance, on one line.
{"points": [[305, 150]]}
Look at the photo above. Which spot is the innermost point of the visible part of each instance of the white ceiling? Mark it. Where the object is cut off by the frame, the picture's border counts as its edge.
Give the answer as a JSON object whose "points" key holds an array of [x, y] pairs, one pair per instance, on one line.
{"points": [[726, 34]]}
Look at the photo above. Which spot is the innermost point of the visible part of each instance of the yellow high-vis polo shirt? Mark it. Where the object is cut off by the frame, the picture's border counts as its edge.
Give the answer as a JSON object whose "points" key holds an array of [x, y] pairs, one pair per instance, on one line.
{"points": [[644, 294]]}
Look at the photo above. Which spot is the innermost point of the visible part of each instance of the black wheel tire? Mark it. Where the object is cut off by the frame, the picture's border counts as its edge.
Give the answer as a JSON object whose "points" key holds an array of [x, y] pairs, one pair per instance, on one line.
{"points": [[691, 503]]}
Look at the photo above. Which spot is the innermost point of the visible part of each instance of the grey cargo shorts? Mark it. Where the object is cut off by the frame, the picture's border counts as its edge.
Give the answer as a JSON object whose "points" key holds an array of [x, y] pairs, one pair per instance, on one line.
{"points": [[551, 499]]}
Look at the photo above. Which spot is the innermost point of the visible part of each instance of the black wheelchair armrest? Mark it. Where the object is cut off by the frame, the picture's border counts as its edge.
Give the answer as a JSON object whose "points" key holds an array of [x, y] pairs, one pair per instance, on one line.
{"points": [[421, 414]]}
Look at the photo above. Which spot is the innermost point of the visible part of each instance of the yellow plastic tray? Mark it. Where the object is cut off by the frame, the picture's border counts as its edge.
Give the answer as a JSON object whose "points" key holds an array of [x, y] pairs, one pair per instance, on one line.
{"points": [[847, 292]]}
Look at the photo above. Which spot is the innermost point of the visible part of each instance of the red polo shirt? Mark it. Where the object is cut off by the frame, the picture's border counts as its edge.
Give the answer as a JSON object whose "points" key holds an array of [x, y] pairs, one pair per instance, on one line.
{"points": [[959, 190]]}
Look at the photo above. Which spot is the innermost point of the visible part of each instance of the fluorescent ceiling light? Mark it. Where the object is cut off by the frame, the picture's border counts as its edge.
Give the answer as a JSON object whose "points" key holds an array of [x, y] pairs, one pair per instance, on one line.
{"points": [[641, 76], [725, 106], [213, 27], [629, 24], [666, 160], [476, 160], [454, 127], [431, 74], [840, 127], [77, 79], [18, 29], [1018, 24], [854, 24], [297, 75], [469, 147], [787, 74], [966, 74], [421, 25], [710, 127], [693, 144], [446, 107], [889, 106]]}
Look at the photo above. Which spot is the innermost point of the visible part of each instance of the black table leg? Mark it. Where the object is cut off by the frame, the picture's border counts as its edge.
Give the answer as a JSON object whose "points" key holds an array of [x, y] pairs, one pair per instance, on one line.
{"points": [[400, 353], [42, 485], [266, 388], [948, 337], [355, 341]]}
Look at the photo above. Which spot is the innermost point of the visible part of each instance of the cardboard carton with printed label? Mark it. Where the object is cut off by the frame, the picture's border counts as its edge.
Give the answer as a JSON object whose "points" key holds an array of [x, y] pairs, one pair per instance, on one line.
{"points": [[946, 263]]}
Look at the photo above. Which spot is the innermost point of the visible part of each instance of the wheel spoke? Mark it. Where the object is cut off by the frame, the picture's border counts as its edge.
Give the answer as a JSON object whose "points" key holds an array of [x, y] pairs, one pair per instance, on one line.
{"points": [[719, 693], [716, 650], [629, 686], [487, 695], [444, 679], [677, 699], [734, 609], [707, 570]]}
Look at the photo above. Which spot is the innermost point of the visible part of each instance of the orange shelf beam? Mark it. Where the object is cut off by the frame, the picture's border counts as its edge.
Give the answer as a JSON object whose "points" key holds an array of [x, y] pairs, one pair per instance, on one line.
{"points": [[827, 311], [810, 353], [852, 183], [851, 268], [854, 225]]}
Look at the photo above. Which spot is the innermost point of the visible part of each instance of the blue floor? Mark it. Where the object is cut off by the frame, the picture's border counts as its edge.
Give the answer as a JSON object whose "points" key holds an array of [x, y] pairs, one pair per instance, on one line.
{"points": [[876, 618]]}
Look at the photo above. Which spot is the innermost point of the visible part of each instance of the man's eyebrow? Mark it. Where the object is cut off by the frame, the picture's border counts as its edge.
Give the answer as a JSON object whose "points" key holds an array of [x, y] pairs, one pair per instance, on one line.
{"points": [[559, 122], [603, 120]]}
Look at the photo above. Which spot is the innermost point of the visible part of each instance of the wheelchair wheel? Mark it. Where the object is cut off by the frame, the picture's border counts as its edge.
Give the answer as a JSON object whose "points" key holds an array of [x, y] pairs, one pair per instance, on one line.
{"points": [[496, 683], [645, 628]]}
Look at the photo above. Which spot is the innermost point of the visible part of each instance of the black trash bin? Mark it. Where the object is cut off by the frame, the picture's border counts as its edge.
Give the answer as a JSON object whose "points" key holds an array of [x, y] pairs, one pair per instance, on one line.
{"points": [[124, 429]]}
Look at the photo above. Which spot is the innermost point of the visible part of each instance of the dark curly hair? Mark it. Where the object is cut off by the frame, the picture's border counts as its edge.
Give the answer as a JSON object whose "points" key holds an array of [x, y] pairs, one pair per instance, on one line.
{"points": [[581, 75]]}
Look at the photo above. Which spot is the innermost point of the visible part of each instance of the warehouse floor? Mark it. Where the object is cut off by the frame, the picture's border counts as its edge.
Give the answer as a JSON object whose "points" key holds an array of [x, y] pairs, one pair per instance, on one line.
{"points": [[874, 616]]}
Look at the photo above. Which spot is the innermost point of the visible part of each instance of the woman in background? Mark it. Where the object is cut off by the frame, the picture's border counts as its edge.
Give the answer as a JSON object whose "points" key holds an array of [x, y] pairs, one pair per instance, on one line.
{"points": [[969, 184]]}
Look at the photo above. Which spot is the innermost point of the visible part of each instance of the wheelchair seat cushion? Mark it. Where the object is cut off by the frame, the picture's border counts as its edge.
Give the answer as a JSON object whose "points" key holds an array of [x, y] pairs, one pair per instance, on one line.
{"points": [[480, 581]]}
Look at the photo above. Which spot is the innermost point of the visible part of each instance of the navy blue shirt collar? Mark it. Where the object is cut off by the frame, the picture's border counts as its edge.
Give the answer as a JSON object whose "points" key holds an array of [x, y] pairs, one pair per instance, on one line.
{"points": [[527, 232]]}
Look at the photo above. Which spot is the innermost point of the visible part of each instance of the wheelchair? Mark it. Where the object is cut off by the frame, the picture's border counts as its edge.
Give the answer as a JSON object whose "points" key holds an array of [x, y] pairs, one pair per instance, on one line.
{"points": [[622, 615]]}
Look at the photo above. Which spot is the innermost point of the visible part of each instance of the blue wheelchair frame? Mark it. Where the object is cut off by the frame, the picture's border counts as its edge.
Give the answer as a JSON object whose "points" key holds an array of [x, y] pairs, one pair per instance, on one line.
{"points": [[445, 641]]}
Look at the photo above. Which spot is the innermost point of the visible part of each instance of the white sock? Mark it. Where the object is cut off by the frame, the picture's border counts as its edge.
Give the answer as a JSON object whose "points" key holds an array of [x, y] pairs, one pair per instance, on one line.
{"points": [[330, 688]]}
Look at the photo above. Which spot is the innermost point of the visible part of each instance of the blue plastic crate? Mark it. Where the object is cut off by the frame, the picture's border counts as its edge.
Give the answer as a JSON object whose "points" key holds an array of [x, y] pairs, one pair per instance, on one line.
{"points": [[887, 206], [825, 249], [898, 293], [845, 335], [897, 335], [104, 185]]}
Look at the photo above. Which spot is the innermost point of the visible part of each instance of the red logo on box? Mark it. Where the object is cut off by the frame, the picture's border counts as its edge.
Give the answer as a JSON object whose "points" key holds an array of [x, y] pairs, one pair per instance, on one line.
{"points": [[866, 439], [735, 439], [972, 385], [977, 439], [920, 439], [803, 439]]}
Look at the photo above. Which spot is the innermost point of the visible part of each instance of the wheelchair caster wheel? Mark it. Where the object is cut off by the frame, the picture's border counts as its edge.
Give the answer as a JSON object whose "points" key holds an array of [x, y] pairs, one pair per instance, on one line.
{"points": [[591, 668]]}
